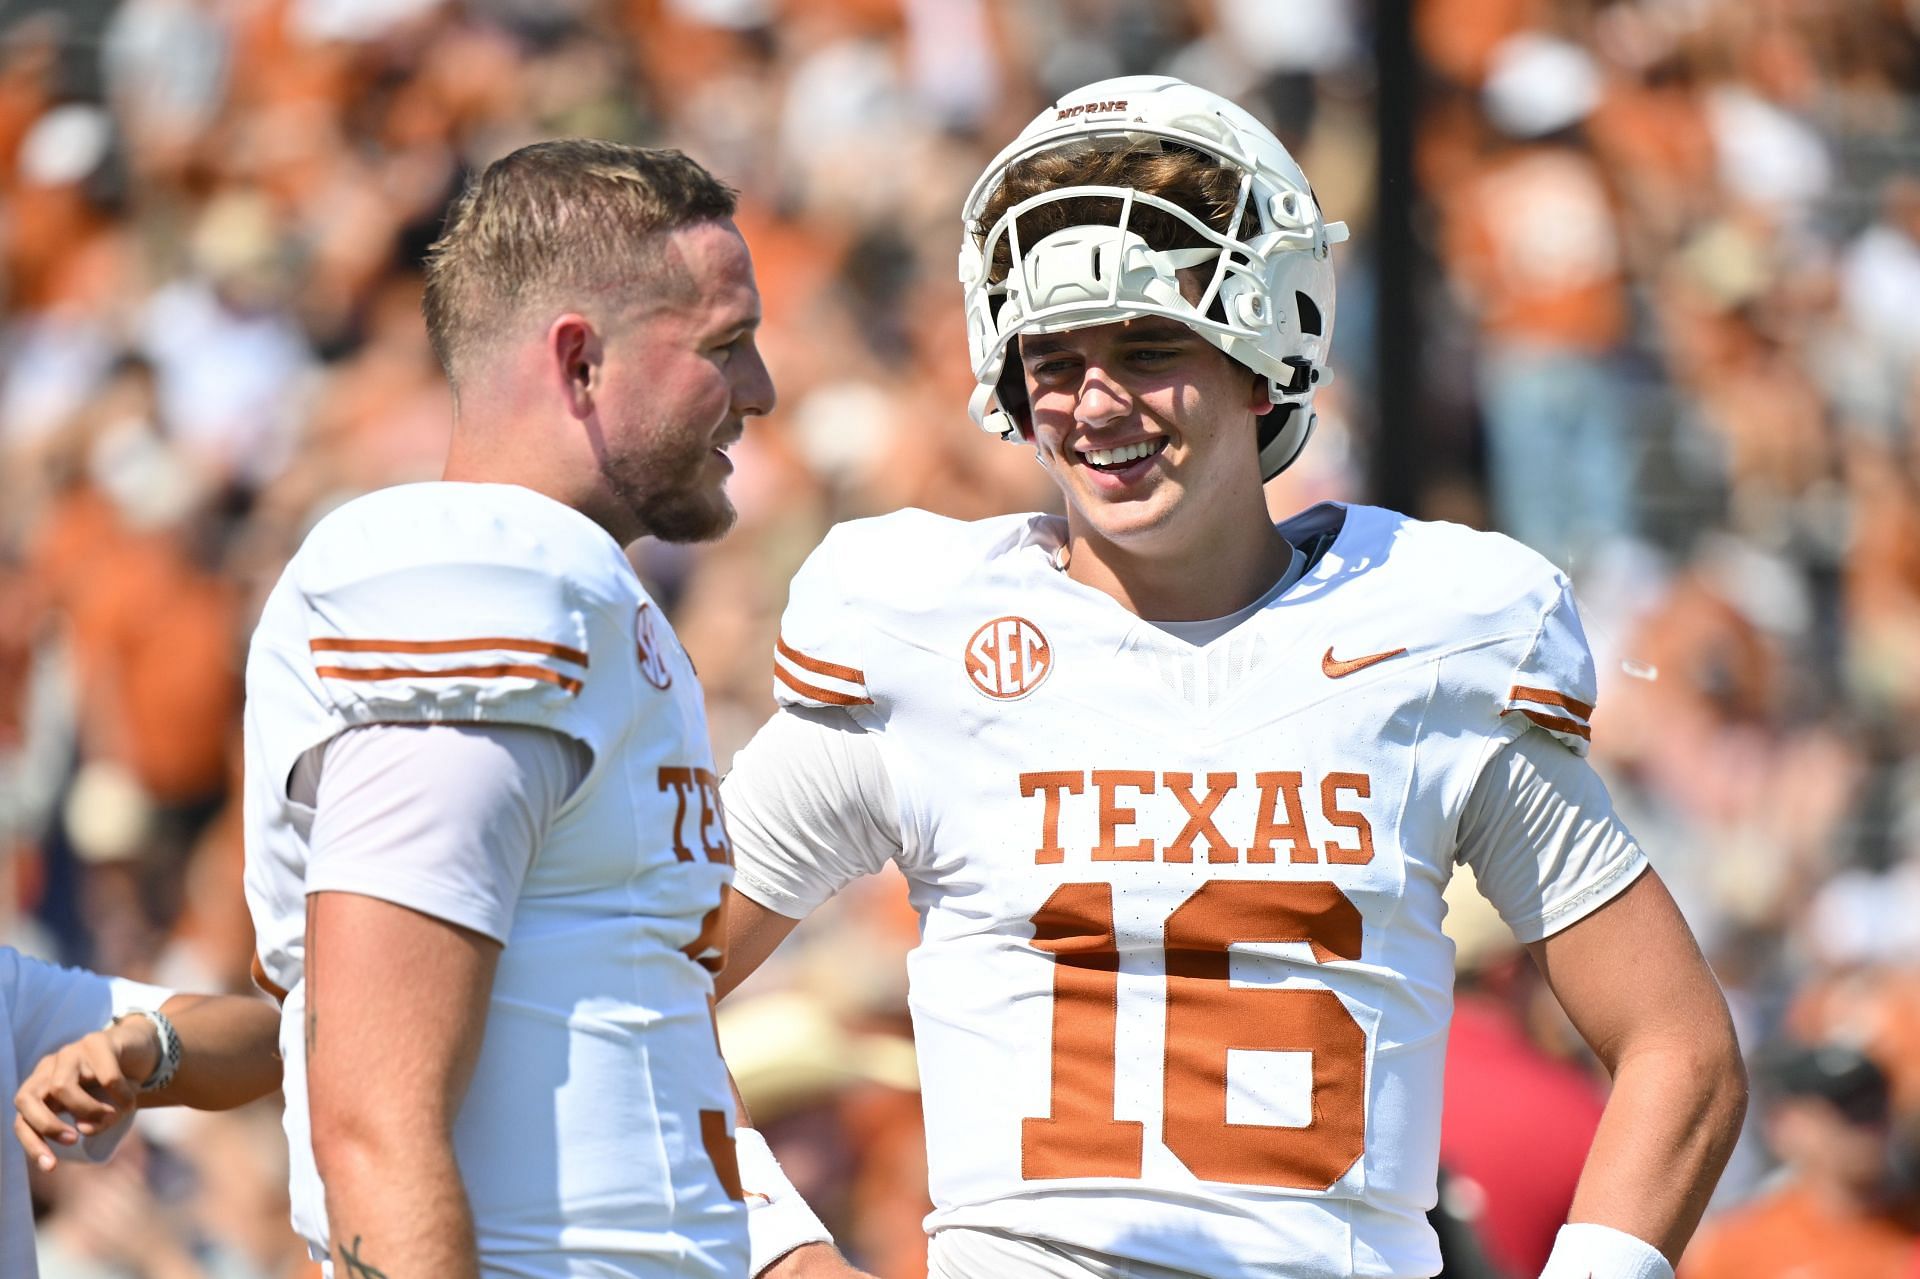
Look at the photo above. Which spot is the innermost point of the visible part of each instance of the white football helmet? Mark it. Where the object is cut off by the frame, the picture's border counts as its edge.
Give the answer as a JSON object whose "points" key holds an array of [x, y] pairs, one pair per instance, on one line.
{"points": [[1268, 305]]}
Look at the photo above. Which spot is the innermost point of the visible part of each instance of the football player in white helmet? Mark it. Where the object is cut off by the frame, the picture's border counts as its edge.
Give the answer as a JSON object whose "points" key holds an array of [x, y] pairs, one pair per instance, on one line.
{"points": [[1252, 275], [484, 853], [1177, 790]]}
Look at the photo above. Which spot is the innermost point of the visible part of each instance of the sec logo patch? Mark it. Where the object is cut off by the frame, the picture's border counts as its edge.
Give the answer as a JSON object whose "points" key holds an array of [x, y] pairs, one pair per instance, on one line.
{"points": [[653, 661], [1008, 658]]}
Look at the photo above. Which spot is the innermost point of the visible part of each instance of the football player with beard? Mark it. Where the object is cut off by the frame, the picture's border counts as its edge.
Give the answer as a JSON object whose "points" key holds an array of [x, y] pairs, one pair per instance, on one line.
{"points": [[484, 853]]}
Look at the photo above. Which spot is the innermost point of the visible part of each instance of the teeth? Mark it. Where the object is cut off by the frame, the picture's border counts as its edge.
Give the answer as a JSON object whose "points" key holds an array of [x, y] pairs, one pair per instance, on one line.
{"points": [[1122, 455]]}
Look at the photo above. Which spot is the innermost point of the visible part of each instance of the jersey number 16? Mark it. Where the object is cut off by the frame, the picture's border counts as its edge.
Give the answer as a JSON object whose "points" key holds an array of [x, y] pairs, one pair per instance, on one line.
{"points": [[1206, 1016]]}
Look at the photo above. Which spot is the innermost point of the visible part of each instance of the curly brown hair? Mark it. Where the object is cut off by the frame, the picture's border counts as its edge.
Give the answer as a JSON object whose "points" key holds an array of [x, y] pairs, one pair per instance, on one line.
{"points": [[1191, 179]]}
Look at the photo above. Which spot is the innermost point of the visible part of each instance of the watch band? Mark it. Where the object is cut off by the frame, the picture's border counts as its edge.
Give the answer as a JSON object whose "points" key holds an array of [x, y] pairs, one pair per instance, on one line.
{"points": [[170, 1050]]}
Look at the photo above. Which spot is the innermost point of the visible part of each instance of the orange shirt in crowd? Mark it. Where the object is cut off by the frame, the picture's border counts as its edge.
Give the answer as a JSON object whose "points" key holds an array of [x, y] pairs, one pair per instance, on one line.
{"points": [[1790, 1233], [154, 645], [1457, 37], [1535, 240]]}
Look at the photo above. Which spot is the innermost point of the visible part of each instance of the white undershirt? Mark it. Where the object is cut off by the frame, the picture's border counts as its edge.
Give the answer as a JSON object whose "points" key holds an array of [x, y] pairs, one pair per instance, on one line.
{"points": [[444, 819]]}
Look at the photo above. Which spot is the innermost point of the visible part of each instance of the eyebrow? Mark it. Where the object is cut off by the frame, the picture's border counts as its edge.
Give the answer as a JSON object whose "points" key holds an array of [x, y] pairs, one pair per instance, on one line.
{"points": [[1147, 330], [741, 324]]}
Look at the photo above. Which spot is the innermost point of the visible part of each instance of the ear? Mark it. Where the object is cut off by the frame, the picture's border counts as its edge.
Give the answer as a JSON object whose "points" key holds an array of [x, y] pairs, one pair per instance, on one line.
{"points": [[1257, 398], [576, 361]]}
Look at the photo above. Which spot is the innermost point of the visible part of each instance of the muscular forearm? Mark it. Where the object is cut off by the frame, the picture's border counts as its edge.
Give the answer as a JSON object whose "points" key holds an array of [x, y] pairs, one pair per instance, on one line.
{"points": [[1679, 1090], [387, 1065], [395, 1210], [1668, 1128]]}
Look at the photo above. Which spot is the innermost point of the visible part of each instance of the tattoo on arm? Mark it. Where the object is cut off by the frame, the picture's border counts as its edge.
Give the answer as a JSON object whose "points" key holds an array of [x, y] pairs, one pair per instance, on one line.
{"points": [[353, 1267], [311, 1022]]}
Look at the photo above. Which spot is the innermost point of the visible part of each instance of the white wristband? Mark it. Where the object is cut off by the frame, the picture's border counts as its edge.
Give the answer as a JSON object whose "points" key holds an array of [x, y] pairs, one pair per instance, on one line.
{"points": [[1585, 1250], [778, 1219]]}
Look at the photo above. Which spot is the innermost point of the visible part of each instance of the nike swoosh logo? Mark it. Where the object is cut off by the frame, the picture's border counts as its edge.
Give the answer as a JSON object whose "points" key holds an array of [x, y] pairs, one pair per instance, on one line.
{"points": [[1337, 668]]}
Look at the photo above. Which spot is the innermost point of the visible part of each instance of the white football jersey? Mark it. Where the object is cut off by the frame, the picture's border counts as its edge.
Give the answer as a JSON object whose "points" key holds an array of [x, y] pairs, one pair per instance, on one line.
{"points": [[1181, 994], [594, 1134]]}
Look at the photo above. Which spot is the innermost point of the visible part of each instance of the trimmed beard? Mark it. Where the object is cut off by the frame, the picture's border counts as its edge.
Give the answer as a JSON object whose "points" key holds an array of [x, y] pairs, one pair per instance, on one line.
{"points": [[676, 507]]}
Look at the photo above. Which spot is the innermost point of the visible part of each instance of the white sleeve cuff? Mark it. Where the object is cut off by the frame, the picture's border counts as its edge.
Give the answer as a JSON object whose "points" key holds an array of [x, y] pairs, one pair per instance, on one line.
{"points": [[778, 1219], [1586, 1250]]}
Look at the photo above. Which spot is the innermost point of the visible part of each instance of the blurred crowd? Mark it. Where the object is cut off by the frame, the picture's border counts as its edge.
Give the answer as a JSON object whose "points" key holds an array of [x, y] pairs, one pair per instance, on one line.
{"points": [[1671, 313]]}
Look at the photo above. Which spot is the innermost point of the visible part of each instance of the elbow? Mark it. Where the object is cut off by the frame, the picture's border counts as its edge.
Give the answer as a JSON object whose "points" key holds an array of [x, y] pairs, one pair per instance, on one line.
{"points": [[341, 1142], [356, 1135], [1703, 1075], [1717, 1075], [1727, 1093], [1733, 1091], [1727, 1068]]}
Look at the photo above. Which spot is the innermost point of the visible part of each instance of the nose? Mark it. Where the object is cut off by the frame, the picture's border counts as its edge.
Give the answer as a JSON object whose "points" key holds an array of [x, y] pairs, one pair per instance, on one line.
{"points": [[1102, 398], [753, 391]]}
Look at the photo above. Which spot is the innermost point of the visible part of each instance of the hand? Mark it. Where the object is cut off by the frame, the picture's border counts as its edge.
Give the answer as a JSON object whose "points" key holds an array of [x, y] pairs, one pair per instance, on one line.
{"points": [[813, 1261], [91, 1080]]}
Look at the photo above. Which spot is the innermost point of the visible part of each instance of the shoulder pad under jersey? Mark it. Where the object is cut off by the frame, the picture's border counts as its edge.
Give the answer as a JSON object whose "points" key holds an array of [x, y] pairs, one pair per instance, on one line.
{"points": [[860, 591], [462, 602], [1538, 669]]}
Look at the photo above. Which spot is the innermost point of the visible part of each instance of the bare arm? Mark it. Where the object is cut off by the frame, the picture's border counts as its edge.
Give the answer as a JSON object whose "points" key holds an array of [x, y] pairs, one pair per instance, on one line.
{"points": [[396, 1003], [229, 1056], [1637, 988], [810, 794], [753, 933]]}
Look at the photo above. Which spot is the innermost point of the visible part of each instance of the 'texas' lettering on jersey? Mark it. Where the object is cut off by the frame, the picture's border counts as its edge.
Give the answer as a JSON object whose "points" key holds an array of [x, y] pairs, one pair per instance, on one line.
{"points": [[698, 793], [1124, 798], [709, 824]]}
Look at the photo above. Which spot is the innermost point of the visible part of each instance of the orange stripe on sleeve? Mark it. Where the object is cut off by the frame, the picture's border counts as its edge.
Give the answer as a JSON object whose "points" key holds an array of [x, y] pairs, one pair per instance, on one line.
{"points": [[567, 682], [1522, 693], [818, 667], [337, 644], [1554, 722], [826, 695]]}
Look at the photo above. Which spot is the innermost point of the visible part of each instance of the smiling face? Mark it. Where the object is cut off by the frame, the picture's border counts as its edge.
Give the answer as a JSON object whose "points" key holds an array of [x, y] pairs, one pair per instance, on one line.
{"points": [[1151, 434], [681, 378]]}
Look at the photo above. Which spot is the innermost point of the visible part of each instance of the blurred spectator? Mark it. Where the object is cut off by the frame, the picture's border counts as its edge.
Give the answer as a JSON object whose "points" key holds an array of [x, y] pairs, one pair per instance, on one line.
{"points": [[1534, 244], [1849, 1207], [209, 1204]]}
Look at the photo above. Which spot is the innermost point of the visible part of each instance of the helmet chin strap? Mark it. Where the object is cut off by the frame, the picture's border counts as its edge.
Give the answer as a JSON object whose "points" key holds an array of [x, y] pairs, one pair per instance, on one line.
{"points": [[985, 409]]}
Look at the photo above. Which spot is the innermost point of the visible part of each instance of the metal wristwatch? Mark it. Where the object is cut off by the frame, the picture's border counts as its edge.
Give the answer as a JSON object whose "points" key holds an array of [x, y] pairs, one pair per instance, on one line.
{"points": [[170, 1052]]}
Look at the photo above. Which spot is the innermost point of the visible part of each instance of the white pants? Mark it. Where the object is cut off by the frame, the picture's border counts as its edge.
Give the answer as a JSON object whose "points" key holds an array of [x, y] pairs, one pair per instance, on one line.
{"points": [[959, 1253]]}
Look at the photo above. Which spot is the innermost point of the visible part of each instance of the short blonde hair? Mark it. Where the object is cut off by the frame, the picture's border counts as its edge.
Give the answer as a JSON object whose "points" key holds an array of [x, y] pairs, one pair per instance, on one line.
{"points": [[551, 222]]}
